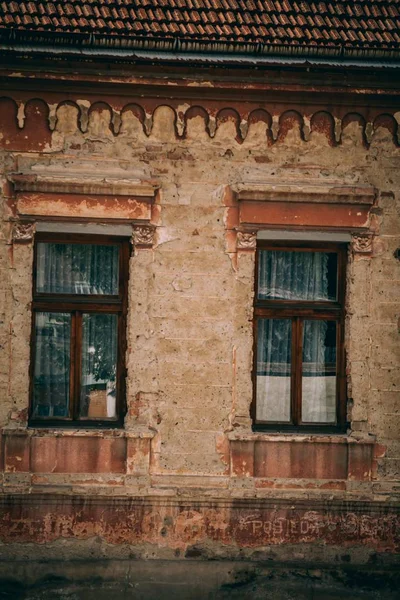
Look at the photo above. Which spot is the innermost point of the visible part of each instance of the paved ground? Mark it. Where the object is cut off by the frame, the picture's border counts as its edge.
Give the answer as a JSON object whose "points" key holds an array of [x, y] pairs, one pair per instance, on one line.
{"points": [[196, 580]]}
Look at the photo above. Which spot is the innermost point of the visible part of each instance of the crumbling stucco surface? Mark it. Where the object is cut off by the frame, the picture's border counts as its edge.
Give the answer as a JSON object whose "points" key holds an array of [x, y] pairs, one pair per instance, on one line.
{"points": [[189, 356]]}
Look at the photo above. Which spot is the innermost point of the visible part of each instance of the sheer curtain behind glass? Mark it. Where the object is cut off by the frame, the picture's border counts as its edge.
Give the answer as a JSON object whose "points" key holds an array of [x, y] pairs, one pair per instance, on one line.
{"points": [[274, 351], [319, 372], [99, 366], [75, 269], [51, 366], [286, 275], [301, 276]]}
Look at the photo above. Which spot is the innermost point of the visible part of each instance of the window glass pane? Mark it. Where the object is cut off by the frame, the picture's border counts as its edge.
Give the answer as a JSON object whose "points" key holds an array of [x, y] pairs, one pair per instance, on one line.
{"points": [[77, 269], [51, 367], [286, 275], [319, 372], [99, 366], [274, 349]]}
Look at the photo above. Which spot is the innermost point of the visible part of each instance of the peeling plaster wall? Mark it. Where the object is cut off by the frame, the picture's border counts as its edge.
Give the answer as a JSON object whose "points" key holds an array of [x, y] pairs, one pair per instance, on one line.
{"points": [[189, 355]]}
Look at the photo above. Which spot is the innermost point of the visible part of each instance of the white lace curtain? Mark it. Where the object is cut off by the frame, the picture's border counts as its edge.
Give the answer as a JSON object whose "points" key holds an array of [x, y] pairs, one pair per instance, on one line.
{"points": [[52, 364], [90, 269], [303, 276], [77, 269], [296, 275]]}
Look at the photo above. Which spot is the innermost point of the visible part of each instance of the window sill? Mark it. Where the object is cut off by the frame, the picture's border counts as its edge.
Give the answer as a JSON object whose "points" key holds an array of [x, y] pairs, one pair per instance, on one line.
{"points": [[336, 437], [72, 431], [76, 451], [301, 456], [67, 426]]}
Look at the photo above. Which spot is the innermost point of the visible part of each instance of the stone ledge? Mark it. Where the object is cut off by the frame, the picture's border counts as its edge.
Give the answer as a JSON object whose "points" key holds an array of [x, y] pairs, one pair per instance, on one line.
{"points": [[328, 438], [276, 499], [271, 204], [76, 183], [76, 196], [327, 192], [59, 432]]}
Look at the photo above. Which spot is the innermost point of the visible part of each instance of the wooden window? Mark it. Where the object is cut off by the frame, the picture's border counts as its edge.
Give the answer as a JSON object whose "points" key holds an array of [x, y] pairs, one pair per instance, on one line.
{"points": [[299, 362], [78, 330]]}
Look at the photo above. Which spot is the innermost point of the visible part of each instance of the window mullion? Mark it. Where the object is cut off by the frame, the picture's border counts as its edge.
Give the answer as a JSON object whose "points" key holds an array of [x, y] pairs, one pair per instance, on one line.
{"points": [[297, 364], [293, 395], [340, 373], [72, 366], [77, 364]]}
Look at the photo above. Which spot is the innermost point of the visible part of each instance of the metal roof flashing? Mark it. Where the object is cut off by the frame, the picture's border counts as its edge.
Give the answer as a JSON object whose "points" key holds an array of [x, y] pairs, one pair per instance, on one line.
{"points": [[99, 46]]}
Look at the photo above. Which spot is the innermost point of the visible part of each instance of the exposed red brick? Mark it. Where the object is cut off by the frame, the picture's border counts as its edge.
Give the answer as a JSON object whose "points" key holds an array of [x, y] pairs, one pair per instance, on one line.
{"points": [[360, 460], [8, 123], [322, 122], [78, 455], [90, 206], [300, 460], [126, 520], [287, 121], [242, 459], [292, 213], [35, 135], [137, 456], [16, 452]]}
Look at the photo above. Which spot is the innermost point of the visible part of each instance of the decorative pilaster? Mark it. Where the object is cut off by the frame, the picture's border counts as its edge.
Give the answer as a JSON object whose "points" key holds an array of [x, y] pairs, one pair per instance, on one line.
{"points": [[361, 243], [23, 232], [143, 236], [246, 240]]}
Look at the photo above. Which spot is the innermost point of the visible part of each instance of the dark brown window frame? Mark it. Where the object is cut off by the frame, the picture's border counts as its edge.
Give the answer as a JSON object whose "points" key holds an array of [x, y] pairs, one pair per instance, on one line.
{"points": [[77, 305], [298, 311]]}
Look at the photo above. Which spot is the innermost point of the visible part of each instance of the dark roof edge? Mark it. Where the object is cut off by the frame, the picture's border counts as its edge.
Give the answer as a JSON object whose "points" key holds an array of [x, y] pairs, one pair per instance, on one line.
{"points": [[106, 45], [208, 59]]}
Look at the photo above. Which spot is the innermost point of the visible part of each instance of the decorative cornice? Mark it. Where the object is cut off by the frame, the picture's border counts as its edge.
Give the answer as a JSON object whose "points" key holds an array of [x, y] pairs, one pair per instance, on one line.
{"points": [[82, 184], [329, 204], [327, 192]]}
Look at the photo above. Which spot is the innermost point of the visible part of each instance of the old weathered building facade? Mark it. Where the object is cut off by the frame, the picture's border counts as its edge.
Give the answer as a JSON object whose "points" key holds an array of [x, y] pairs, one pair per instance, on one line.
{"points": [[148, 405]]}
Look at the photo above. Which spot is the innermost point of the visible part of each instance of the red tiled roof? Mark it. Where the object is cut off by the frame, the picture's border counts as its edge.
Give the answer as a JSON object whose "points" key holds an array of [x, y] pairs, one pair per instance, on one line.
{"points": [[351, 24]]}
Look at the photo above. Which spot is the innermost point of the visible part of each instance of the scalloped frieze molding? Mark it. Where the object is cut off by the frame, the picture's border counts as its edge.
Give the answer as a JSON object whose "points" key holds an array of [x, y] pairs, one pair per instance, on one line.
{"points": [[39, 119]]}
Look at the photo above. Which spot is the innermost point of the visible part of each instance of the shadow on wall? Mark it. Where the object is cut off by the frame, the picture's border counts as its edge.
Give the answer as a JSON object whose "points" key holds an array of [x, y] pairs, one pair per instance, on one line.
{"points": [[194, 580]]}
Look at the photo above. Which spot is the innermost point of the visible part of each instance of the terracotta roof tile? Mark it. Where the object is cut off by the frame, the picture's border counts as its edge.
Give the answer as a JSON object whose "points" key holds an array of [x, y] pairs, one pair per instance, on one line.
{"points": [[370, 36], [301, 22], [301, 19], [387, 36]]}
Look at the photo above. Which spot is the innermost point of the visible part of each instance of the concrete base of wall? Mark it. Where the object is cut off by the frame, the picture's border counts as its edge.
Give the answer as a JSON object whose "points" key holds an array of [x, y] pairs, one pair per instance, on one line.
{"points": [[192, 580], [190, 525]]}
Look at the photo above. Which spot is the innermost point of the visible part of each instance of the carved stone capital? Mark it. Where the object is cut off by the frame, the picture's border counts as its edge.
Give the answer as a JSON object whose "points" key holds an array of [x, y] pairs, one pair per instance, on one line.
{"points": [[143, 235], [246, 240], [23, 232], [361, 243]]}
